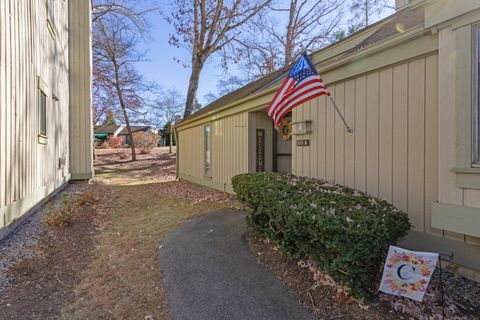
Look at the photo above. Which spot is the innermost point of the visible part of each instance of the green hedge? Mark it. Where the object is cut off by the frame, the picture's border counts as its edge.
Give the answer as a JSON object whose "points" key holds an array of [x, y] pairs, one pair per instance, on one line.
{"points": [[346, 232]]}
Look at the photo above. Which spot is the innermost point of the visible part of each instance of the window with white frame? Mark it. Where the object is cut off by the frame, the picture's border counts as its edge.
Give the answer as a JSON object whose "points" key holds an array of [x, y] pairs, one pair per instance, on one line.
{"points": [[43, 114], [207, 133], [476, 95]]}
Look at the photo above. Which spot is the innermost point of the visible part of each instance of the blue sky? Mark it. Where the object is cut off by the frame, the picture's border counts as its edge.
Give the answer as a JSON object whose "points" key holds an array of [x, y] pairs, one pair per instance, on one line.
{"points": [[165, 71], [162, 69]]}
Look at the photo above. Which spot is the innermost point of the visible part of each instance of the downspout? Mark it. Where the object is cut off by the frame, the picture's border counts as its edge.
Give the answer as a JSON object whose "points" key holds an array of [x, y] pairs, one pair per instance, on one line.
{"points": [[177, 153]]}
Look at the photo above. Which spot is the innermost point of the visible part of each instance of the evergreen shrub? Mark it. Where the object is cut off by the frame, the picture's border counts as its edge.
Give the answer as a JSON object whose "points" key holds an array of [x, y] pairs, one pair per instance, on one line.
{"points": [[346, 232]]}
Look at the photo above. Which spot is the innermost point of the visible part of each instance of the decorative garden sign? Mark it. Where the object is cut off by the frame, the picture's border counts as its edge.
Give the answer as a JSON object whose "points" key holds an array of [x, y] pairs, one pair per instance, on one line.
{"points": [[407, 273]]}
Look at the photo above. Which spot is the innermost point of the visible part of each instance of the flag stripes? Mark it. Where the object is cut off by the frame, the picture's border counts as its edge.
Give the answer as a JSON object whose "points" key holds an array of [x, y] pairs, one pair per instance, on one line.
{"points": [[301, 85]]}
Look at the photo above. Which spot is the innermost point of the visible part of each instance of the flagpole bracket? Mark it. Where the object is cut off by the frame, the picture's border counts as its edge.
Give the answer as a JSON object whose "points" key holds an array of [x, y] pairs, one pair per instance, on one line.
{"points": [[348, 129]]}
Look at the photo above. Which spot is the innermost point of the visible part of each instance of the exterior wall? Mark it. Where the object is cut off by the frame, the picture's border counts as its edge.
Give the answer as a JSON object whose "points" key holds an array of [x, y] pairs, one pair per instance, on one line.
{"points": [[458, 209], [229, 152], [412, 139], [409, 100], [81, 137], [191, 156], [34, 54], [392, 153]]}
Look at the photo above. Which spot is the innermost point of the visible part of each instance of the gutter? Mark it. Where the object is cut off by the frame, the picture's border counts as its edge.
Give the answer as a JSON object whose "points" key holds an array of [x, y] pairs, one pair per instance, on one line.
{"points": [[177, 154]]}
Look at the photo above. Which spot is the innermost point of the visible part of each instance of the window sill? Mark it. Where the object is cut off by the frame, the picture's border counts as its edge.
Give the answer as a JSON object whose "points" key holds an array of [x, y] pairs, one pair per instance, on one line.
{"points": [[468, 178], [42, 139]]}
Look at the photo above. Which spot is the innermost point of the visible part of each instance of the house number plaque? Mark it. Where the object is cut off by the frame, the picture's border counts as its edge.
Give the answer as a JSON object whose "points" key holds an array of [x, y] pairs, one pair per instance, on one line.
{"points": [[260, 146], [303, 143]]}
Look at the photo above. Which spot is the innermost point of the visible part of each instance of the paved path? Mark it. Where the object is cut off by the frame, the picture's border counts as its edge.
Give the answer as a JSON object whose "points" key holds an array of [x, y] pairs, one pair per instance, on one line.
{"points": [[211, 274]]}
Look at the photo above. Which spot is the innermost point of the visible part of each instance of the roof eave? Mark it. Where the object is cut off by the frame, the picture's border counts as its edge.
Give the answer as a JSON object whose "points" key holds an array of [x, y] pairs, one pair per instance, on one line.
{"points": [[328, 64]]}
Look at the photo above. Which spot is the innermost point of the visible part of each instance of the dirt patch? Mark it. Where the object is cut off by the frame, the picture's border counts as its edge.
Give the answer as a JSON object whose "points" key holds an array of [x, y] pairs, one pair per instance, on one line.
{"points": [[113, 166], [123, 280], [43, 284], [104, 265]]}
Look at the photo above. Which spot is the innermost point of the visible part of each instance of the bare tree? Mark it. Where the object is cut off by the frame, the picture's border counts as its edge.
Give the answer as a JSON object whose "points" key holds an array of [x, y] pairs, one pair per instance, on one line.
{"points": [[115, 56], [292, 27], [130, 13], [364, 9], [206, 27], [167, 109]]}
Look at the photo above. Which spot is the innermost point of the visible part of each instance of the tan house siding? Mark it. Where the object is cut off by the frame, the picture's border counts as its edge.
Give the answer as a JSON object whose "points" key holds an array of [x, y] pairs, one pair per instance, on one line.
{"points": [[34, 55], [455, 150], [409, 99], [190, 159], [229, 142], [81, 138], [393, 151]]}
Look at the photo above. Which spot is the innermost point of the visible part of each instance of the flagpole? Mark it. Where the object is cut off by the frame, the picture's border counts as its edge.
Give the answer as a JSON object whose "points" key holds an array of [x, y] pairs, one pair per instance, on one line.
{"points": [[348, 129]]}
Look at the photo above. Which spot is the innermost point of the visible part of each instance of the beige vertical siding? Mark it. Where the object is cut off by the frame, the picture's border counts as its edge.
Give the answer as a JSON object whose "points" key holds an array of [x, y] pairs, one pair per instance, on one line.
{"points": [[81, 137], [449, 192], [34, 52], [229, 151], [394, 115], [191, 159]]}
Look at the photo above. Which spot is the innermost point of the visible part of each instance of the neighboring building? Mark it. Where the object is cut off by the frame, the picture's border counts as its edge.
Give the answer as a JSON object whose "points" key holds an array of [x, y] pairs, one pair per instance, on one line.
{"points": [[45, 102], [409, 86], [102, 133]]}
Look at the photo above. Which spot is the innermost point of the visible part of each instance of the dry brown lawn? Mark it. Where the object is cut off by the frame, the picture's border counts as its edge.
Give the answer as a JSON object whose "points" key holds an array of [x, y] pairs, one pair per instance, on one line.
{"points": [[106, 262]]}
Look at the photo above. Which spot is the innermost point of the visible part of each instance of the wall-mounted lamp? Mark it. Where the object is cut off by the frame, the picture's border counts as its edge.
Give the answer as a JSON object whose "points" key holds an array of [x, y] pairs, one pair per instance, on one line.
{"points": [[302, 127]]}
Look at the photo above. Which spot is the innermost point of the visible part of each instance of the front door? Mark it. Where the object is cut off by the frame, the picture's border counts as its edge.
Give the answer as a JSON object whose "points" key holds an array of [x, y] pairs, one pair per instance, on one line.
{"points": [[282, 151]]}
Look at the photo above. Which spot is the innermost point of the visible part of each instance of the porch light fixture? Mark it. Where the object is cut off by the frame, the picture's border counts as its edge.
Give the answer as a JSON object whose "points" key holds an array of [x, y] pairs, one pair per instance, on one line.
{"points": [[302, 127]]}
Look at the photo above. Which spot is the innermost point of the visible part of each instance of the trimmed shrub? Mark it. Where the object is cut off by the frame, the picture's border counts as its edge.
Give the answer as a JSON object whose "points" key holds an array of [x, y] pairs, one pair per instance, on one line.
{"points": [[146, 141], [346, 232], [114, 142]]}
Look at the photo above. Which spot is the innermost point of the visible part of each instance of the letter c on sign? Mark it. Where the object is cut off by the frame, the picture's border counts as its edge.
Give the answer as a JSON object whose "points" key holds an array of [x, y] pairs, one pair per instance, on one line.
{"points": [[406, 271]]}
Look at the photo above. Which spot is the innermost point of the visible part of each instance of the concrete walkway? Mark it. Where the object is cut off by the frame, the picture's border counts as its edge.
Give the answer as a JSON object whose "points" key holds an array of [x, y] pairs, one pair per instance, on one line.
{"points": [[210, 273]]}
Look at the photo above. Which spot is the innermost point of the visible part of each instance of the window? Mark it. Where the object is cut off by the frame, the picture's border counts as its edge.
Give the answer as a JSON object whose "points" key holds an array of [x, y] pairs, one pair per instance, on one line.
{"points": [[208, 150], [43, 114], [476, 95]]}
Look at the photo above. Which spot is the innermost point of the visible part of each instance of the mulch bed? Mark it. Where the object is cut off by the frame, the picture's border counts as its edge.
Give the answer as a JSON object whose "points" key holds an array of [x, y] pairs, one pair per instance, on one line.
{"points": [[43, 284], [318, 292]]}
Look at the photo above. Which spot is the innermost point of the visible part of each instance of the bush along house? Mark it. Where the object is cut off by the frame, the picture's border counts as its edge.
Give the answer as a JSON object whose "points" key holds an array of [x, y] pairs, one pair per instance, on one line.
{"points": [[408, 86], [45, 102]]}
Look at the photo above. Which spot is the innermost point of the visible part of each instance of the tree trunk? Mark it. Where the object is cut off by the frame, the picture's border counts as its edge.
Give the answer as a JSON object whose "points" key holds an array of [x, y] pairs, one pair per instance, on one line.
{"points": [[192, 88], [124, 111], [127, 123], [289, 41], [130, 133], [366, 13]]}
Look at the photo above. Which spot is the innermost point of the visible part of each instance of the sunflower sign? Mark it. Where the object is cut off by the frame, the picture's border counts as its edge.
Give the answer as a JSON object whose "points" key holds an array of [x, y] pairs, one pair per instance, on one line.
{"points": [[407, 273]]}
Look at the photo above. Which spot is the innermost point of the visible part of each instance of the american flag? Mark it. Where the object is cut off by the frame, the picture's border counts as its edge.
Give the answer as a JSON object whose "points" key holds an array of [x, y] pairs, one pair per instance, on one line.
{"points": [[302, 83]]}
